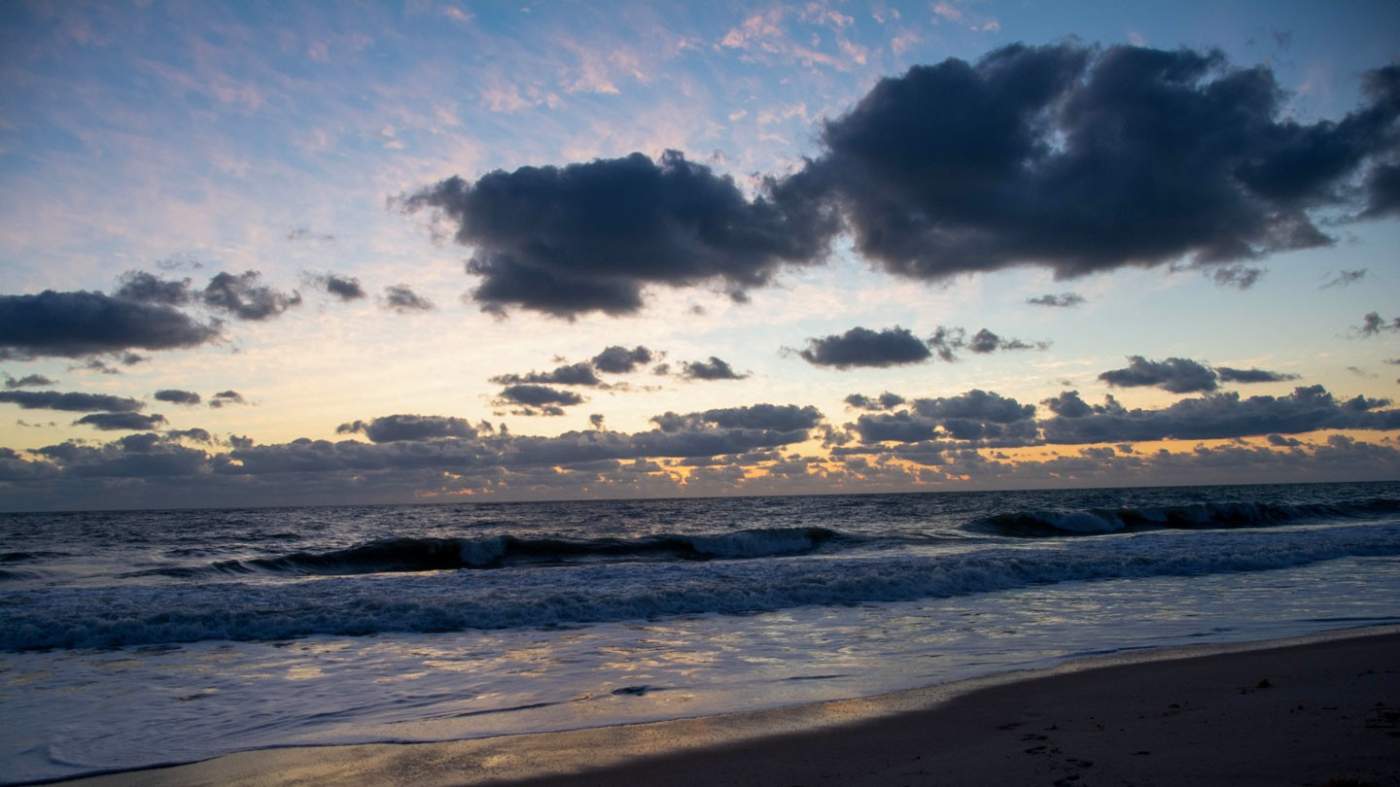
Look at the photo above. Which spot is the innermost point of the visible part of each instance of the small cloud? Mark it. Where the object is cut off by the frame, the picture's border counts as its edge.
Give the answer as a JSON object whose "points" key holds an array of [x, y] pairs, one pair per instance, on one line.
{"points": [[403, 300], [1064, 300], [713, 369], [225, 398], [1344, 278]]}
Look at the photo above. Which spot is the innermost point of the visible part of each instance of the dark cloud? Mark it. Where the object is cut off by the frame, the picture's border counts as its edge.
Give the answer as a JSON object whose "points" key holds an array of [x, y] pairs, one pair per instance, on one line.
{"points": [[1064, 300], [1241, 277], [29, 381], [74, 324], [864, 347], [978, 416], [1069, 405], [346, 288], [95, 365], [1372, 324], [1229, 375], [1084, 159], [223, 398], [1178, 375], [947, 342], [780, 418], [194, 434], [1220, 416], [620, 360], [176, 396], [121, 421], [885, 401], [589, 237], [402, 299], [713, 369], [537, 399], [1383, 191], [71, 402], [397, 428], [243, 297], [149, 288], [570, 374], [1344, 278]]}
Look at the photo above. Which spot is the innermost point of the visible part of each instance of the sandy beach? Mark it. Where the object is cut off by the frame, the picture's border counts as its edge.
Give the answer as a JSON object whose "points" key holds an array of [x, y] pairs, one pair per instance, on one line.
{"points": [[1315, 712]]}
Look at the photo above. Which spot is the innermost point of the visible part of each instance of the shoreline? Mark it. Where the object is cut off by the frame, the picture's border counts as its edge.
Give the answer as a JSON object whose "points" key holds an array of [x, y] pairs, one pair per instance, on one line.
{"points": [[1340, 689]]}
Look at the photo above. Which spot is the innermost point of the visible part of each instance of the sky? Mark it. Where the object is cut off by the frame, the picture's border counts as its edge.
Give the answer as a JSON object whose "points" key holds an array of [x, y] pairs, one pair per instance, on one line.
{"points": [[267, 253]]}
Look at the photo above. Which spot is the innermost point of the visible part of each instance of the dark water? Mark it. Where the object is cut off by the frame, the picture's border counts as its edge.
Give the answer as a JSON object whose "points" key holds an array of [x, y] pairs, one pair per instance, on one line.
{"points": [[144, 578], [135, 638]]}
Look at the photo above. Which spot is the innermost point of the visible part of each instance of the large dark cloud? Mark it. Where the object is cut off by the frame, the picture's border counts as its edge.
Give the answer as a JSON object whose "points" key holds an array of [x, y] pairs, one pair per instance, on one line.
{"points": [[396, 428], [1216, 416], [1183, 375], [980, 416], [620, 360], [73, 324], [122, 421], [589, 237], [864, 347], [1178, 375], [713, 369], [177, 396], [244, 297], [1083, 159], [782, 418], [71, 402]]}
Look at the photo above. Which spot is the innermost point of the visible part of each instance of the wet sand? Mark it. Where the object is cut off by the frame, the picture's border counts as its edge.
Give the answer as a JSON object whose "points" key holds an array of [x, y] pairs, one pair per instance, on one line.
{"points": [[1306, 712]]}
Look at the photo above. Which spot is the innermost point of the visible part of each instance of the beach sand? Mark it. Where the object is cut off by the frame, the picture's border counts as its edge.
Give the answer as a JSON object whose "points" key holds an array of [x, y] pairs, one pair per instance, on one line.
{"points": [[1306, 712]]}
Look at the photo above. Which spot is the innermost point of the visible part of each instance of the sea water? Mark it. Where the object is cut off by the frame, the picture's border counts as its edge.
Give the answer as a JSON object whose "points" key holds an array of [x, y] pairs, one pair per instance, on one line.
{"points": [[131, 639]]}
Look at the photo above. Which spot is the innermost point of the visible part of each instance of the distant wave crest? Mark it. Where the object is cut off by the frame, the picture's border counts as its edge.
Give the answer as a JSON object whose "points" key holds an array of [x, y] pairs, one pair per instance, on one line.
{"points": [[1098, 521]]}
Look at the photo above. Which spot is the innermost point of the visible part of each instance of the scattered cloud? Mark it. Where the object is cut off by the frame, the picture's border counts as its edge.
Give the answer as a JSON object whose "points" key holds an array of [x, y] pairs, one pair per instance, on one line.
{"points": [[1065, 300], [402, 299]]}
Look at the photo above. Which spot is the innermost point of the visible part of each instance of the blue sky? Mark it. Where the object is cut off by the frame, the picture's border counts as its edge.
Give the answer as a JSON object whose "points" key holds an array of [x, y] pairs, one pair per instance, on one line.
{"points": [[189, 139]]}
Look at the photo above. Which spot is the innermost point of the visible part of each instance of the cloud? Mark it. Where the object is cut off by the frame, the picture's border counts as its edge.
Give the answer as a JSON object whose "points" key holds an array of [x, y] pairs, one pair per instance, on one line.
{"points": [[29, 381], [948, 342], [1217, 416], [73, 324], [346, 288], [1344, 278], [537, 399], [1229, 375], [149, 288], [781, 418], [305, 233], [1372, 324], [1064, 300], [121, 421], [863, 347], [402, 299], [885, 401], [570, 374], [176, 396], [1178, 375], [224, 398], [194, 434], [977, 416], [397, 428], [72, 402], [243, 297], [1084, 159], [620, 360], [1241, 277], [713, 369], [589, 237]]}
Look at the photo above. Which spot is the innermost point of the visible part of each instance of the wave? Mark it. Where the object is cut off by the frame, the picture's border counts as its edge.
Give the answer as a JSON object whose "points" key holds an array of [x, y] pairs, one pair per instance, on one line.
{"points": [[444, 554], [1098, 521], [585, 593]]}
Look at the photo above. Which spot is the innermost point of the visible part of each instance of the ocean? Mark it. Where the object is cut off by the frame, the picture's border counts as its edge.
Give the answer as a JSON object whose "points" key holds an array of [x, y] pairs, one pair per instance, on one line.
{"points": [[140, 638]]}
